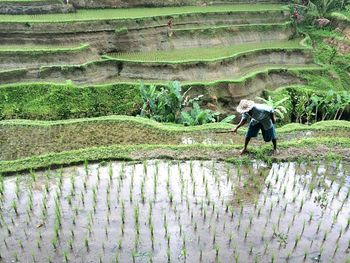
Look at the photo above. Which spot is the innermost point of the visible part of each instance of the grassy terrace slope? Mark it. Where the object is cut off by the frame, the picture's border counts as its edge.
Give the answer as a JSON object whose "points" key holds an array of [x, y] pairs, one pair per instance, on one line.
{"points": [[119, 137], [39, 49], [22, 56], [132, 13], [192, 65], [205, 54], [23, 138]]}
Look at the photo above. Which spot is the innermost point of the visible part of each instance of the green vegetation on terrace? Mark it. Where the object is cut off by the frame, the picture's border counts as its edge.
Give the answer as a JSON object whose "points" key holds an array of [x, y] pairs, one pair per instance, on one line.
{"points": [[53, 101], [196, 151], [134, 13], [305, 103], [41, 48], [206, 54], [50, 101], [132, 121], [328, 55]]}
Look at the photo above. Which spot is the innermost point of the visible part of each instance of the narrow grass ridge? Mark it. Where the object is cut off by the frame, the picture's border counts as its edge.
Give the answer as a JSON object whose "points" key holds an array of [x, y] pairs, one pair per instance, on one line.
{"points": [[176, 128], [139, 13], [40, 49]]}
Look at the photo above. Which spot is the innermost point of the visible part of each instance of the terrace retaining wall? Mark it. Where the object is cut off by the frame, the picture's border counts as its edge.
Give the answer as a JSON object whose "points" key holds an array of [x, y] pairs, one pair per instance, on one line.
{"points": [[32, 8], [159, 3]]}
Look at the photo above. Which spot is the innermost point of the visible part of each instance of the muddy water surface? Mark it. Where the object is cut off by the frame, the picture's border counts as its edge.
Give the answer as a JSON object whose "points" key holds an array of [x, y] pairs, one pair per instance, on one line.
{"points": [[178, 211]]}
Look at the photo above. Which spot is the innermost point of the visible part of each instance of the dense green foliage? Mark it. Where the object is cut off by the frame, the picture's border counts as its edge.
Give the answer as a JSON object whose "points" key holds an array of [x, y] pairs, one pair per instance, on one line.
{"points": [[46, 101], [321, 8], [170, 104], [277, 106], [307, 105]]}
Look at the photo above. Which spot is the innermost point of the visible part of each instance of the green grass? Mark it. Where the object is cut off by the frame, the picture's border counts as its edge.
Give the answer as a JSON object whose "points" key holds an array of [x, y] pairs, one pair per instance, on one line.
{"points": [[126, 152], [50, 101], [133, 13], [205, 54], [132, 121], [170, 127], [41, 48]]}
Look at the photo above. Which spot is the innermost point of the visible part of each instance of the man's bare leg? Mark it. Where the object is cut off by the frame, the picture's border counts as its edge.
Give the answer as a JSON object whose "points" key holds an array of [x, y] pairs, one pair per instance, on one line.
{"points": [[246, 142], [274, 142]]}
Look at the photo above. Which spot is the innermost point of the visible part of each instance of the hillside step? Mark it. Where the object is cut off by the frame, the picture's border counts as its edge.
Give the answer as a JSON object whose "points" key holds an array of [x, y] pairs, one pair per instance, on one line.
{"points": [[23, 7]]}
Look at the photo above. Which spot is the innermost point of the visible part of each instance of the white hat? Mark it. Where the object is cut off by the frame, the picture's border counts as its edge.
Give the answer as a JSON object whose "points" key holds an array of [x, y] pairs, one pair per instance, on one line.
{"points": [[245, 106]]}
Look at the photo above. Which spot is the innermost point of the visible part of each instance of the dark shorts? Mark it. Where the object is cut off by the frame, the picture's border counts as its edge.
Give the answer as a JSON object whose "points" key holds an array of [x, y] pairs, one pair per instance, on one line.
{"points": [[253, 131]]}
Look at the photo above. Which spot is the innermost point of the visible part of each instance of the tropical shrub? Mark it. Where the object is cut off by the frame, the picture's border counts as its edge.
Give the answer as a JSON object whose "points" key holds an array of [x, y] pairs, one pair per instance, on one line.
{"points": [[321, 8], [46, 101], [276, 105], [310, 106], [164, 104], [169, 104]]}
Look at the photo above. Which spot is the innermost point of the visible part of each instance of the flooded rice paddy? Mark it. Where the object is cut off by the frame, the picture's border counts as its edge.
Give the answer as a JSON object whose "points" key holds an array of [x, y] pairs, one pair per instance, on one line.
{"points": [[170, 211]]}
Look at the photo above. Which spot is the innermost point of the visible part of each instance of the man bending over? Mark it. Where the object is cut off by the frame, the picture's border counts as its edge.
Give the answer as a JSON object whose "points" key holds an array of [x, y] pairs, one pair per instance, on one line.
{"points": [[262, 118]]}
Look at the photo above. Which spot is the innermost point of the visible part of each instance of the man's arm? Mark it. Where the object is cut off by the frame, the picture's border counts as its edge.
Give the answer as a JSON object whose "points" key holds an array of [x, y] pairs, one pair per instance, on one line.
{"points": [[272, 115], [242, 122]]}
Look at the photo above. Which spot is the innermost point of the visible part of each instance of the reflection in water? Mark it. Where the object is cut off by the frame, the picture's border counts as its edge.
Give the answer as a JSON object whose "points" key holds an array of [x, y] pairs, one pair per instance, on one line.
{"points": [[175, 211]]}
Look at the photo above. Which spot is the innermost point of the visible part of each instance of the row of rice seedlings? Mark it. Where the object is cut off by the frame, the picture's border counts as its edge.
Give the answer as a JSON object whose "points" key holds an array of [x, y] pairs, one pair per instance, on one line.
{"points": [[209, 207]]}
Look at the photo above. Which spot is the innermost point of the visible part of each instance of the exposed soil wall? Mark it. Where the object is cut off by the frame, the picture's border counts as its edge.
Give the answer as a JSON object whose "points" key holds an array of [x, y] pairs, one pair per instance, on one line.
{"points": [[110, 70], [225, 69], [179, 21], [149, 33], [158, 3], [158, 38], [226, 95], [34, 59], [35, 7]]}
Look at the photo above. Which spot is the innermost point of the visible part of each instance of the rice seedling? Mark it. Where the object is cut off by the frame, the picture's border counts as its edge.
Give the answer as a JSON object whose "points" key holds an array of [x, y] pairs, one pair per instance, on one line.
{"points": [[168, 253], [14, 206], [86, 244], [325, 235], [296, 241], [120, 244], [133, 255]]}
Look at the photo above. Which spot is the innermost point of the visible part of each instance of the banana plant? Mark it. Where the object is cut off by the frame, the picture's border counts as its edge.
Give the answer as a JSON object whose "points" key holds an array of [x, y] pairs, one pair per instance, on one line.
{"points": [[316, 102], [276, 106], [345, 103]]}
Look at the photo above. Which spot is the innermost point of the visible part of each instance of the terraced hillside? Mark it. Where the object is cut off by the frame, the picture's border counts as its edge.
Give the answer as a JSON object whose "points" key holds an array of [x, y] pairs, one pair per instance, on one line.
{"points": [[235, 50], [109, 108]]}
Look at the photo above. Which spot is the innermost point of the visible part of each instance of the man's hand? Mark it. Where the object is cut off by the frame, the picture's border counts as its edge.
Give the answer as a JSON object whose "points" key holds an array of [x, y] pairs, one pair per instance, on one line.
{"points": [[234, 130]]}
